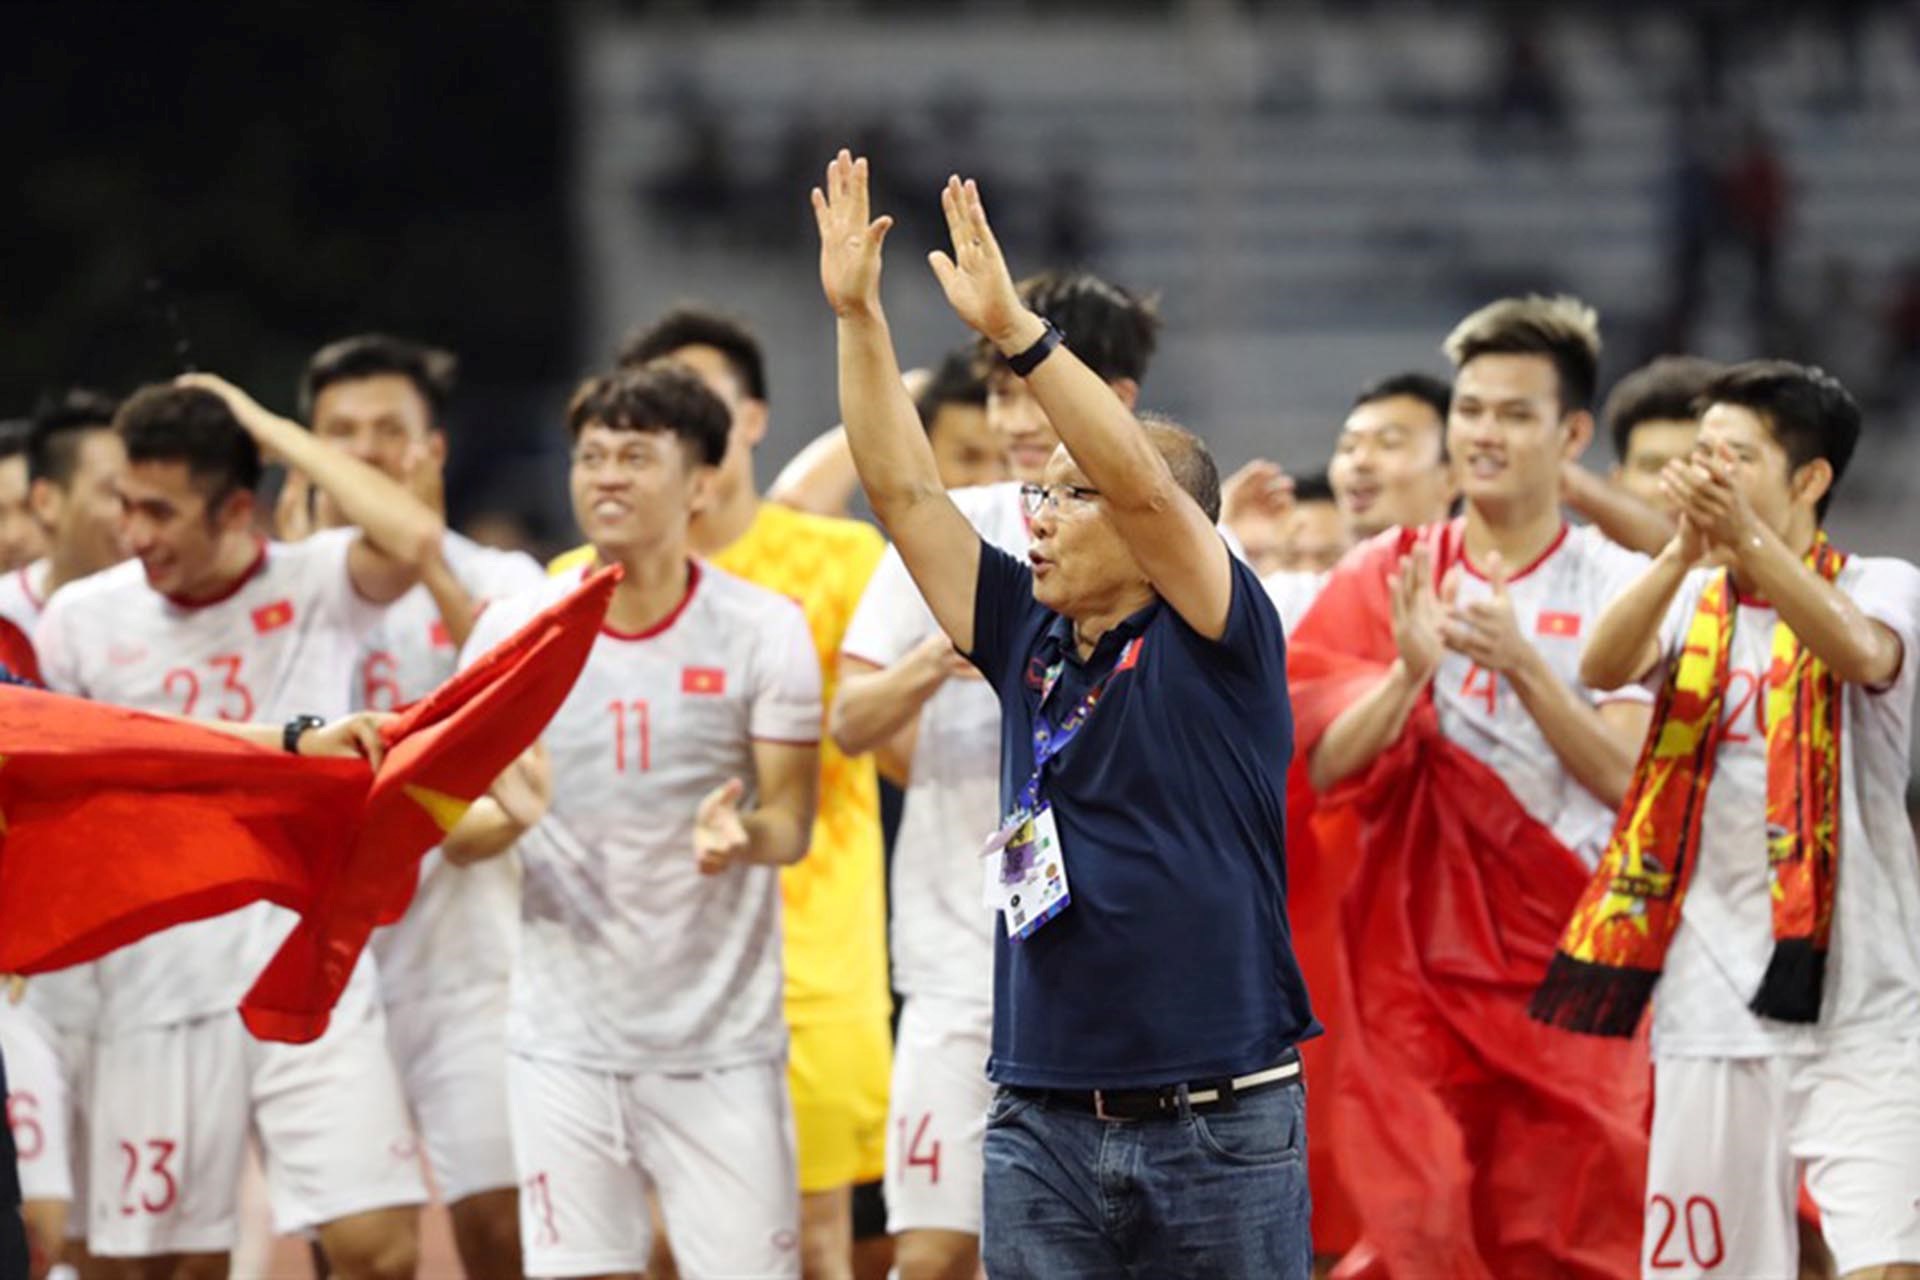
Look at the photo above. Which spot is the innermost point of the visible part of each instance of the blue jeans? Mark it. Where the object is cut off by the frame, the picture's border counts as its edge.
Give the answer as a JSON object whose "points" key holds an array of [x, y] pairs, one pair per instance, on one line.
{"points": [[1213, 1194]]}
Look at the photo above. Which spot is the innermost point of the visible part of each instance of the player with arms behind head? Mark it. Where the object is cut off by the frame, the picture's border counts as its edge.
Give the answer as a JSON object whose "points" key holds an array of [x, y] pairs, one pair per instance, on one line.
{"points": [[212, 622]]}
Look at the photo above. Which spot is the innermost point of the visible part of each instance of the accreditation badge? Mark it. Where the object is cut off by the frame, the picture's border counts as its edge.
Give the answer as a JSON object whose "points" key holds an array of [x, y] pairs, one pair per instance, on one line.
{"points": [[1024, 873]]}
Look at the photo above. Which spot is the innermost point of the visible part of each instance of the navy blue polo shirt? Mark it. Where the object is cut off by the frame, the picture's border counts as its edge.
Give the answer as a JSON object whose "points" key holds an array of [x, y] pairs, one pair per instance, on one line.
{"points": [[1174, 961]]}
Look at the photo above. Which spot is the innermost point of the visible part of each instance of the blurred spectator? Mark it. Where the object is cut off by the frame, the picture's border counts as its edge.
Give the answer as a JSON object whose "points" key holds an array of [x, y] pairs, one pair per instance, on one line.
{"points": [[1839, 331], [1756, 193], [1900, 335], [696, 189], [1069, 221], [1528, 101], [1694, 217]]}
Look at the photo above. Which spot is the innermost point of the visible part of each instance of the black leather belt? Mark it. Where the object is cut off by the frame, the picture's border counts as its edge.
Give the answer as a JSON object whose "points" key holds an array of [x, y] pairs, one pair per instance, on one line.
{"points": [[1152, 1104]]}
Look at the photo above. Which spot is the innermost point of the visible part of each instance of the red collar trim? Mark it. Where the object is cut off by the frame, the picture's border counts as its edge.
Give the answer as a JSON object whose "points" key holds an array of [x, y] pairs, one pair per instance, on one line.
{"points": [[232, 589], [693, 584], [1747, 600], [34, 598], [1559, 540]]}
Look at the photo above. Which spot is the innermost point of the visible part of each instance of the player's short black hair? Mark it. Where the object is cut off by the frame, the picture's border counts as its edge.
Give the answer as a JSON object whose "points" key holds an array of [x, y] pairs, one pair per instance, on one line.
{"points": [[14, 433], [1665, 389], [1430, 390], [697, 326], [958, 380], [1113, 331], [662, 396], [165, 423], [1806, 410], [1189, 459], [1312, 487], [59, 421], [1563, 329], [431, 370]]}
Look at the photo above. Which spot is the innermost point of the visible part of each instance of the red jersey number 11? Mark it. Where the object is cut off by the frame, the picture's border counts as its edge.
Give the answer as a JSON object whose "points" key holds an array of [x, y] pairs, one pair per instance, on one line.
{"points": [[640, 735]]}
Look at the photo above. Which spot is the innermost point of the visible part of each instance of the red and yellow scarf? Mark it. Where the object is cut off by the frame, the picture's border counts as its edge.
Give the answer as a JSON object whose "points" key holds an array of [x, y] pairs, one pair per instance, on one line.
{"points": [[1616, 941]]}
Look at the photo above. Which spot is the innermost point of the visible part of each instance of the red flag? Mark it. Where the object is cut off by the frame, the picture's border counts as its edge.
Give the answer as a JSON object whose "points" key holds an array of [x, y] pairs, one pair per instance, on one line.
{"points": [[704, 681], [1474, 1142], [120, 824], [16, 653], [443, 752]]}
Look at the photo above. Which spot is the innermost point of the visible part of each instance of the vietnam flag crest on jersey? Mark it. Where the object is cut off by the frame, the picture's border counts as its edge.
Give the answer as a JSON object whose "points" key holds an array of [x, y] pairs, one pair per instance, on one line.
{"points": [[269, 618], [708, 682], [1555, 623], [115, 824]]}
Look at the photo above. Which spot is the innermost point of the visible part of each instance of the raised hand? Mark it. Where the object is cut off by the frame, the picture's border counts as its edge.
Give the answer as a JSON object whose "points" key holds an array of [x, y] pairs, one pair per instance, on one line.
{"points": [[1261, 488], [975, 279], [249, 411], [850, 239], [1417, 614], [1487, 631], [719, 837]]}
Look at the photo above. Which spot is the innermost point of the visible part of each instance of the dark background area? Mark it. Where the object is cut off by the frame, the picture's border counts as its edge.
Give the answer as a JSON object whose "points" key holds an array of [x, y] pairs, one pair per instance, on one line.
{"points": [[292, 173]]}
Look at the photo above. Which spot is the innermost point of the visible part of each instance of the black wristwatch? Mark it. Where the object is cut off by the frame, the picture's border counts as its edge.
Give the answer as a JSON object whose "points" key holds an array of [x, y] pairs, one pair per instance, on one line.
{"points": [[296, 729], [1027, 361]]}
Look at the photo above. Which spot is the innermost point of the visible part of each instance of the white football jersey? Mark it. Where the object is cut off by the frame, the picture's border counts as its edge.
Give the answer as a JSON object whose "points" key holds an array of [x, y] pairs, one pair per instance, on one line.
{"points": [[280, 644], [1725, 939], [942, 937], [1556, 601], [459, 928], [1293, 592], [630, 959]]}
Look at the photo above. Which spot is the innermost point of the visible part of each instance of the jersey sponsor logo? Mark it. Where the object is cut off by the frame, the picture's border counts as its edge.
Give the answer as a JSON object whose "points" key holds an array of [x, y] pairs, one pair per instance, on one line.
{"points": [[705, 682], [1552, 623], [125, 655], [271, 617], [438, 636]]}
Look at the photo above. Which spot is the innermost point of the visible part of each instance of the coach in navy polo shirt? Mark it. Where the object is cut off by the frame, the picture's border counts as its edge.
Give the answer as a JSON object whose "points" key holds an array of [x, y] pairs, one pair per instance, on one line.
{"points": [[1149, 1119]]}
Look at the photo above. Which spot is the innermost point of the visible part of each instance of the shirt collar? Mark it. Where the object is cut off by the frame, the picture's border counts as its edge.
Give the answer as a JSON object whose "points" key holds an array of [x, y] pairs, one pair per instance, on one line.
{"points": [[1056, 643]]}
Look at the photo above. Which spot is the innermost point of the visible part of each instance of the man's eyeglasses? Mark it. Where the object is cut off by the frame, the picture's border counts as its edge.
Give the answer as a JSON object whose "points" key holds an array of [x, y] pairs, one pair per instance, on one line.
{"points": [[1061, 496]]}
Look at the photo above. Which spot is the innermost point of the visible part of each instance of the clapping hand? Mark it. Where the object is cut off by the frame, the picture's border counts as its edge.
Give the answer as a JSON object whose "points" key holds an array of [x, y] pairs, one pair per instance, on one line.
{"points": [[1418, 615], [1716, 519], [1487, 631], [719, 836]]}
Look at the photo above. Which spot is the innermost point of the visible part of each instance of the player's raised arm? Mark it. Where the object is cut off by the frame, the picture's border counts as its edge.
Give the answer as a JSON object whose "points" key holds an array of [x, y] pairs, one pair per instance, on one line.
{"points": [[890, 450], [1625, 643], [1858, 649], [399, 533], [1173, 540]]}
